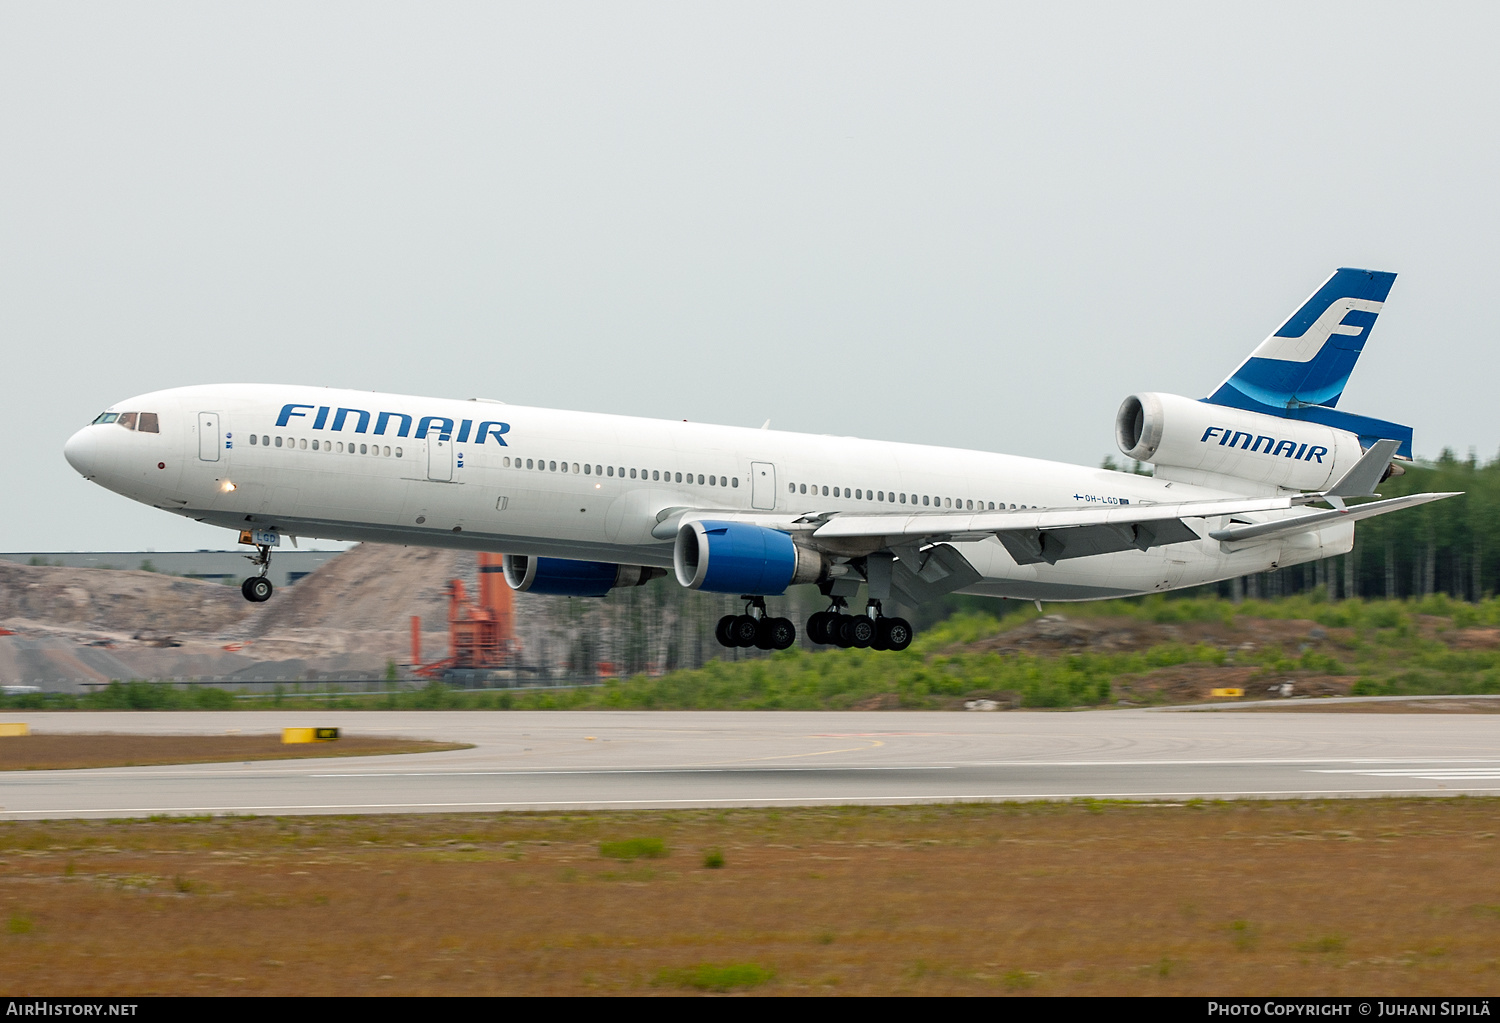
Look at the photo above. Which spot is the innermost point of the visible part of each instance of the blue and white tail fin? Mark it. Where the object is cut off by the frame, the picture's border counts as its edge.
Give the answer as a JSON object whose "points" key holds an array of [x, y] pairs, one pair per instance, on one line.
{"points": [[1300, 371]]}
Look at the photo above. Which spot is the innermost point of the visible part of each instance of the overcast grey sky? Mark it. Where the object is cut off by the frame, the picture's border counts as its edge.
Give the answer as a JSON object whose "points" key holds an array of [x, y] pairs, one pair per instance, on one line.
{"points": [[978, 225]]}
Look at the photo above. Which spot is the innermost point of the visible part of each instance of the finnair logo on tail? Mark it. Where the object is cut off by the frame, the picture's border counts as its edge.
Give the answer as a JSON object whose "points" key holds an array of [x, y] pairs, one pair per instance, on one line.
{"points": [[1306, 346]]}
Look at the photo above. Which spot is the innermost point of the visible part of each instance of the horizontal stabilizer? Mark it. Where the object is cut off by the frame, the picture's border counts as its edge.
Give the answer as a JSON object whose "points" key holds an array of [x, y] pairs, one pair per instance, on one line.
{"points": [[1367, 428], [1362, 477], [1312, 520]]}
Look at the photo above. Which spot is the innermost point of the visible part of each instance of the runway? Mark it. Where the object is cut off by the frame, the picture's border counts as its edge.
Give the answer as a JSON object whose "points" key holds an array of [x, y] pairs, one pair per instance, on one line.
{"points": [[628, 759]]}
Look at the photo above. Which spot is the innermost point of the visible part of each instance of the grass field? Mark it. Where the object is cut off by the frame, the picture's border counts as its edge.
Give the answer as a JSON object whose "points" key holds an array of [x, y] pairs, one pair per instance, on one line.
{"points": [[1400, 897], [46, 752]]}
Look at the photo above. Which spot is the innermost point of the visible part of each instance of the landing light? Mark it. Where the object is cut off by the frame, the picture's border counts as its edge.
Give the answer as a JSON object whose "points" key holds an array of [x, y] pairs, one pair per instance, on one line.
{"points": [[226, 486]]}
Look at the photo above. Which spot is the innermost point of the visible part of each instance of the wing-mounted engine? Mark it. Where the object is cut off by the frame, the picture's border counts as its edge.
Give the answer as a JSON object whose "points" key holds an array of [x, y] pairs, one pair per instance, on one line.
{"points": [[1177, 433], [741, 557], [567, 578]]}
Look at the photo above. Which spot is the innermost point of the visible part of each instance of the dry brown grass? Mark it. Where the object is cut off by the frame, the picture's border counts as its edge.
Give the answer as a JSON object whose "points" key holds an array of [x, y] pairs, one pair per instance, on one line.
{"points": [[70, 752], [1360, 896]]}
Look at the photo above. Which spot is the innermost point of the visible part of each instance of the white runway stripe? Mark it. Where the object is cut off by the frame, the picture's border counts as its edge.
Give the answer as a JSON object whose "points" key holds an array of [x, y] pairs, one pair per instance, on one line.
{"points": [[1434, 773]]}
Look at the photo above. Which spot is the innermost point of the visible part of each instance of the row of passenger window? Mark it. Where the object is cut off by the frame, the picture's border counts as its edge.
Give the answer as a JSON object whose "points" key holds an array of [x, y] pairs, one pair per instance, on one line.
{"points": [[144, 422], [329, 446], [925, 500], [657, 475]]}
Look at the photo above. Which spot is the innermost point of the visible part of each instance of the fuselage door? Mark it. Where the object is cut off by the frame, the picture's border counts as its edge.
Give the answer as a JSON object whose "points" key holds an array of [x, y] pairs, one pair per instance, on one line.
{"points": [[763, 486], [208, 436], [439, 458]]}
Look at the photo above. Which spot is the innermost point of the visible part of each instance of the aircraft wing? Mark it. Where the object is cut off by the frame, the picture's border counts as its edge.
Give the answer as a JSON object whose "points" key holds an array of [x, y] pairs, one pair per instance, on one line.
{"points": [[1040, 535], [1037, 535], [1031, 535], [1050, 535]]}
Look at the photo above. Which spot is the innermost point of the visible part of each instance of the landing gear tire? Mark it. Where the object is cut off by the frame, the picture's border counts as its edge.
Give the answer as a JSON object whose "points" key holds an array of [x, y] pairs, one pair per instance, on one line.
{"points": [[257, 589], [776, 634], [744, 630], [893, 634], [723, 631], [856, 631], [817, 627]]}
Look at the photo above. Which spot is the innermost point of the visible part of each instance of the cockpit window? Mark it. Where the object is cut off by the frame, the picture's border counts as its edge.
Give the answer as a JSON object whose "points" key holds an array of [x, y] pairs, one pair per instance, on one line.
{"points": [[144, 422]]}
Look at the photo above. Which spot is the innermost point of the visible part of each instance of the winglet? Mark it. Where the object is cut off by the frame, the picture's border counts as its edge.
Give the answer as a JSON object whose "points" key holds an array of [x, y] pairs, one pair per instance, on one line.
{"points": [[1364, 475]]}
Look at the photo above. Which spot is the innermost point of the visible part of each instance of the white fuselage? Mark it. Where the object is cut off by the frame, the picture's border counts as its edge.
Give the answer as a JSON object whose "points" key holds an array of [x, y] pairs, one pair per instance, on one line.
{"points": [[481, 475]]}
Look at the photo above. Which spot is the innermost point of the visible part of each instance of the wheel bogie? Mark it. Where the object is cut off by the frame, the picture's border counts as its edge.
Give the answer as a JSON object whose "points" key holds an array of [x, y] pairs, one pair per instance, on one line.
{"points": [[831, 628]]}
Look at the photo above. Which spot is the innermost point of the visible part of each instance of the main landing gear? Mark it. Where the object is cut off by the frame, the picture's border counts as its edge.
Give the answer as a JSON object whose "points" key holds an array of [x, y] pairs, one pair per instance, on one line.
{"points": [[835, 627], [755, 628], [257, 589]]}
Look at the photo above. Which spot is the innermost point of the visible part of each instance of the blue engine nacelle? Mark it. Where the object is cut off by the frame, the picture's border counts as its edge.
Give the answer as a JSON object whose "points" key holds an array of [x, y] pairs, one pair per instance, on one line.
{"points": [[565, 578], [739, 557]]}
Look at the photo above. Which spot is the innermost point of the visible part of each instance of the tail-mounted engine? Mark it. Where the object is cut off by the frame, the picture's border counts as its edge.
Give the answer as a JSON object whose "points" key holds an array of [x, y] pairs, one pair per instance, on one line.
{"points": [[1169, 430]]}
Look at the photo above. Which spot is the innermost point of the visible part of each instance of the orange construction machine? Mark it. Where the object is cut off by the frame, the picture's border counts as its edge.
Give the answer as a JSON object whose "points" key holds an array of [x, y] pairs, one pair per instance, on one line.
{"points": [[481, 637]]}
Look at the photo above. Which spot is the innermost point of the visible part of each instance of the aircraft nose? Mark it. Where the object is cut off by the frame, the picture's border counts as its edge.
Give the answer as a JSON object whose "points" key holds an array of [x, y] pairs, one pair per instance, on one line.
{"points": [[82, 451]]}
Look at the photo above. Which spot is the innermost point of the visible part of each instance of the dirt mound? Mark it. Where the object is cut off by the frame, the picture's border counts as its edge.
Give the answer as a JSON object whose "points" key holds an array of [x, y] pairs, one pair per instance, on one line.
{"points": [[1056, 634], [80, 626], [1474, 639], [1187, 683], [118, 601], [1060, 634], [371, 587]]}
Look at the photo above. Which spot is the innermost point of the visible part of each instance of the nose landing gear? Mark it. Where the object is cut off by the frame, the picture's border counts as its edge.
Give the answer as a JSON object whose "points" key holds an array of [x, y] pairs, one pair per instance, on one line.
{"points": [[257, 589], [755, 628]]}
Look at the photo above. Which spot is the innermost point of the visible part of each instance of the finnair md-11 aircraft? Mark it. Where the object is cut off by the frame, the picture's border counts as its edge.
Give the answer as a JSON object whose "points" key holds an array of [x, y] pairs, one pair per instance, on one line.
{"points": [[581, 503]]}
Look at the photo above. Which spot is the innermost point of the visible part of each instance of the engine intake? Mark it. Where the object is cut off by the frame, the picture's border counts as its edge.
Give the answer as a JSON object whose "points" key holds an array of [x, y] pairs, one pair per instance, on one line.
{"points": [[566, 578], [738, 557]]}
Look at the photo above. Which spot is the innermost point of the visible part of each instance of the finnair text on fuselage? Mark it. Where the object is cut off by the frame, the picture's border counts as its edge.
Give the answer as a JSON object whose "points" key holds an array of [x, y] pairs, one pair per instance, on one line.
{"points": [[402, 421]]}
